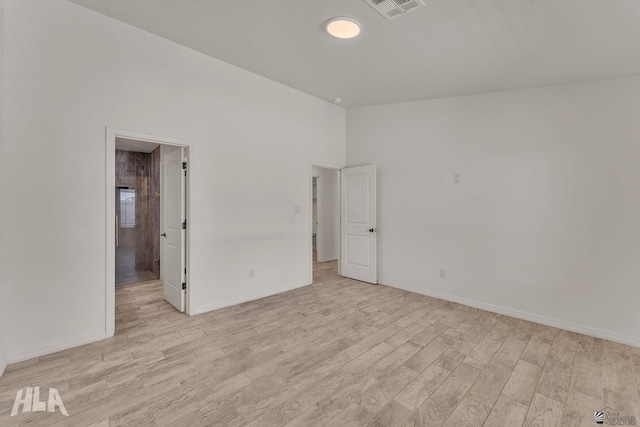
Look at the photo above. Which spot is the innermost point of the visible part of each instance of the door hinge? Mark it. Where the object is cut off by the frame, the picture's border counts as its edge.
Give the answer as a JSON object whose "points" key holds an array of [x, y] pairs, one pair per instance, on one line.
{"points": [[184, 285], [184, 224], [185, 271], [184, 165]]}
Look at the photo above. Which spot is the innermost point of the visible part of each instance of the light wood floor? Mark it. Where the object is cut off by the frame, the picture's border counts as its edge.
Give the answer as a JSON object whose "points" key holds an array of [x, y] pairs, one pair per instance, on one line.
{"points": [[336, 353]]}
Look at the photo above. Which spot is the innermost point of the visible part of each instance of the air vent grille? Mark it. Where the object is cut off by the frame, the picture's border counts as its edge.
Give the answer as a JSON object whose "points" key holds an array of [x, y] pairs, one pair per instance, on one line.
{"points": [[393, 8]]}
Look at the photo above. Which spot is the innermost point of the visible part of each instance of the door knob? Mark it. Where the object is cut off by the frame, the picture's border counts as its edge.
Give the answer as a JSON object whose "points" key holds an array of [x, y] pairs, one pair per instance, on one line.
{"points": [[164, 234], [372, 230]]}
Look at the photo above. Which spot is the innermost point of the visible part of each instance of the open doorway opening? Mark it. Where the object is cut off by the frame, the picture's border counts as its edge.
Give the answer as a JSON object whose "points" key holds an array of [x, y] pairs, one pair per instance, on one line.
{"points": [[137, 212], [325, 219], [150, 216]]}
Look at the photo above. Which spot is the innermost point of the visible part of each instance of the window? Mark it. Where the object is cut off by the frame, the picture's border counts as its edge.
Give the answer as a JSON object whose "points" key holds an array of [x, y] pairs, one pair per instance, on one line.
{"points": [[127, 208]]}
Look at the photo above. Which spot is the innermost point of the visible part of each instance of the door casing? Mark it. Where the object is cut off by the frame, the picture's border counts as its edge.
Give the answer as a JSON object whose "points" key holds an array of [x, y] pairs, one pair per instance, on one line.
{"points": [[110, 137]]}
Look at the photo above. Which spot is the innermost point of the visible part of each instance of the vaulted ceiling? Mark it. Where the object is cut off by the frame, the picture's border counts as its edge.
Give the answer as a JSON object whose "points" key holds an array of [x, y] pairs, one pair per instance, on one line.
{"points": [[448, 48]]}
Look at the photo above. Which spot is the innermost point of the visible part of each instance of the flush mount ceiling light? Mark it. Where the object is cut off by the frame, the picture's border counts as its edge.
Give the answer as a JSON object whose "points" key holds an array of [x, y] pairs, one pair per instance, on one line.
{"points": [[343, 27]]}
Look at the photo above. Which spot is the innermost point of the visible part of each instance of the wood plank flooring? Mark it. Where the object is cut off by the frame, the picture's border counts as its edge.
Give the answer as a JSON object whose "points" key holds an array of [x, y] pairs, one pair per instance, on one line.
{"points": [[337, 353]]}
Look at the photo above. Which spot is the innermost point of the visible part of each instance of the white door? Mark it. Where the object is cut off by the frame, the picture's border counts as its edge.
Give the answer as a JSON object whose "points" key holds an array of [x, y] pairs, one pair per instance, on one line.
{"points": [[358, 257], [172, 233]]}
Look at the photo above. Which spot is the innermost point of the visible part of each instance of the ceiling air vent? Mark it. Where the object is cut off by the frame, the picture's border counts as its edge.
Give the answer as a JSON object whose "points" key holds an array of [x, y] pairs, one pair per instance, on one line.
{"points": [[393, 8]]}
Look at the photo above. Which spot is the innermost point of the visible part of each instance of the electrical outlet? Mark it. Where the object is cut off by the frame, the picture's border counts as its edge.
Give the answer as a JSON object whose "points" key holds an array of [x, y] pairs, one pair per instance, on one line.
{"points": [[456, 178], [252, 273], [443, 274], [296, 209]]}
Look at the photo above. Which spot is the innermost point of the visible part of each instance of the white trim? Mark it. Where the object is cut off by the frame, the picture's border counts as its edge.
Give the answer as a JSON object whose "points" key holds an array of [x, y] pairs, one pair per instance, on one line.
{"points": [[3, 364], [110, 146], [59, 346], [310, 232], [518, 314], [264, 294]]}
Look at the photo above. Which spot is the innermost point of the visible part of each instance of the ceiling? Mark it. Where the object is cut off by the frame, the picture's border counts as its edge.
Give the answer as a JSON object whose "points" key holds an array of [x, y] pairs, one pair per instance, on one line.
{"points": [[448, 48], [125, 144]]}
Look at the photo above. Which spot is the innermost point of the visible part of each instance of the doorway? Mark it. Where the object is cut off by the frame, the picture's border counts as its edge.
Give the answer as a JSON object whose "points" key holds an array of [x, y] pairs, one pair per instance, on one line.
{"points": [[325, 220], [137, 212], [343, 226], [147, 217]]}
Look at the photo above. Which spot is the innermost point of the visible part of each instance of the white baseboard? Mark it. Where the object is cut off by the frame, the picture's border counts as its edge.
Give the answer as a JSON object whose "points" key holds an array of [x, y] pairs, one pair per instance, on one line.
{"points": [[53, 348], [518, 314], [257, 295], [327, 259], [3, 363]]}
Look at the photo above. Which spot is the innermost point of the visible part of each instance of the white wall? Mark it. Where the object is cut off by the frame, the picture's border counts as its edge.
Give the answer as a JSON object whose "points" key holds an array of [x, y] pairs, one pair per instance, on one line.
{"points": [[69, 73], [545, 222], [329, 213], [3, 283]]}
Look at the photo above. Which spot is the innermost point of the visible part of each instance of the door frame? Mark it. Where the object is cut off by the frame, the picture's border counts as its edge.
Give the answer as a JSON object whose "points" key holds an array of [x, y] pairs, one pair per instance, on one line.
{"points": [[110, 260], [310, 222]]}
